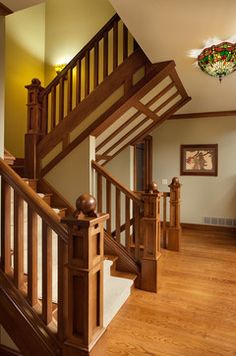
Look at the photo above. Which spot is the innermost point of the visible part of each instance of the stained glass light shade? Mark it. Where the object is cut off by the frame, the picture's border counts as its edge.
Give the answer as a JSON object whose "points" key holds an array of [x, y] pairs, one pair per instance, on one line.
{"points": [[218, 60]]}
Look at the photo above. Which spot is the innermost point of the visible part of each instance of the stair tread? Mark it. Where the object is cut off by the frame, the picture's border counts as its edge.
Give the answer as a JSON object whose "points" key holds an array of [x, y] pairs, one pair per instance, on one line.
{"points": [[125, 275], [111, 258]]}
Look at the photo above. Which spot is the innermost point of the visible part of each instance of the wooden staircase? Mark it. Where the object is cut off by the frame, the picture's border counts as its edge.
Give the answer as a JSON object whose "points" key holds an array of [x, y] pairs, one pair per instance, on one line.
{"points": [[109, 90]]}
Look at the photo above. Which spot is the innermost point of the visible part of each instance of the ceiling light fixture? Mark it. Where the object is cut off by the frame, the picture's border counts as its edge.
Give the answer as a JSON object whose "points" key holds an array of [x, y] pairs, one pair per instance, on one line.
{"points": [[218, 60]]}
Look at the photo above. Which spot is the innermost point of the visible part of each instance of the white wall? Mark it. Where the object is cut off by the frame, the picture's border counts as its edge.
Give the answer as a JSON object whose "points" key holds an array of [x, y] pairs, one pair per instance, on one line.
{"points": [[72, 176], [201, 196]]}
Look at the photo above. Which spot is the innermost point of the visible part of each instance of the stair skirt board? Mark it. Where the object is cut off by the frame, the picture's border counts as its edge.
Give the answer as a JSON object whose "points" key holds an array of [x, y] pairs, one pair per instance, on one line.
{"points": [[113, 297]]}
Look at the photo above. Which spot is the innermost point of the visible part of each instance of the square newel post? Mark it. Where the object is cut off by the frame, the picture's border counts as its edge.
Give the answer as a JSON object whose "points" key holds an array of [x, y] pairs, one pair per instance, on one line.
{"points": [[34, 127], [85, 278], [151, 238], [174, 230]]}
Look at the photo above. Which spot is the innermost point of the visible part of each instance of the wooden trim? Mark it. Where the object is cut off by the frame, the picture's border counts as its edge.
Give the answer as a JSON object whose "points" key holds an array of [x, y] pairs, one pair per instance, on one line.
{"points": [[8, 157], [199, 115], [4, 10], [205, 227], [7, 351]]}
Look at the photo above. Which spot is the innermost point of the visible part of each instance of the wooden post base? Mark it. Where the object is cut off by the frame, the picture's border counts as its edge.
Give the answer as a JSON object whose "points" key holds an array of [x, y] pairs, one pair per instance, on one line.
{"points": [[149, 271], [173, 239]]}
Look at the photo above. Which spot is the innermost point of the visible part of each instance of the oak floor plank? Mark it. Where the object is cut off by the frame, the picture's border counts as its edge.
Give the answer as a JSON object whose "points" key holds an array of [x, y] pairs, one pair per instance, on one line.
{"points": [[194, 311]]}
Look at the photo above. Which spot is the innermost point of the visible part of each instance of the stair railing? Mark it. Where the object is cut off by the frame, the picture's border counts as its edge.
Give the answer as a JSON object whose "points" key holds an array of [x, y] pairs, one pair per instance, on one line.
{"points": [[115, 198], [78, 323], [135, 221], [86, 71], [50, 106]]}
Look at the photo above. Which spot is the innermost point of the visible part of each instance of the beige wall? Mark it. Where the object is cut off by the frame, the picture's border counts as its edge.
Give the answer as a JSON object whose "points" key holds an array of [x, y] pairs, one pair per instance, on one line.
{"points": [[201, 196], [69, 26], [24, 61], [72, 176]]}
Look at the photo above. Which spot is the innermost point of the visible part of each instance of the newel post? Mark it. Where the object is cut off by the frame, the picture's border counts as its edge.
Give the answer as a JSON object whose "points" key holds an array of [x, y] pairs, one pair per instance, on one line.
{"points": [[174, 230], [34, 127], [151, 239], [85, 278]]}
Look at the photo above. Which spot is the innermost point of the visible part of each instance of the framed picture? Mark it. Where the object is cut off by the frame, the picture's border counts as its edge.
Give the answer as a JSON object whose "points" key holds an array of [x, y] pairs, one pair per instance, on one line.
{"points": [[199, 160]]}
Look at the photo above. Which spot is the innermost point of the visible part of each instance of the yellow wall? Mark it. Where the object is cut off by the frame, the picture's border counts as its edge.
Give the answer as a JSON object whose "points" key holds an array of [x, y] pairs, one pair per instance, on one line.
{"points": [[69, 26], [25, 33]]}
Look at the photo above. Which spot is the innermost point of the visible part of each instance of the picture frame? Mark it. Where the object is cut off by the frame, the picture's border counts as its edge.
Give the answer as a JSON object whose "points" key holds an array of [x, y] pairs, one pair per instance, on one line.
{"points": [[199, 160]]}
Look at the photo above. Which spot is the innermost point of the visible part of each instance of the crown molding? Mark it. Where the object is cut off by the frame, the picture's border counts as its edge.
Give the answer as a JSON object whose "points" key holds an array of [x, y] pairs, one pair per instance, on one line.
{"points": [[4, 10], [199, 115]]}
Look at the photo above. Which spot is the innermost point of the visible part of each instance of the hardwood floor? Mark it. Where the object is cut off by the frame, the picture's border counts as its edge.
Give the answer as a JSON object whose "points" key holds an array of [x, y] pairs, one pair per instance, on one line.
{"points": [[194, 312]]}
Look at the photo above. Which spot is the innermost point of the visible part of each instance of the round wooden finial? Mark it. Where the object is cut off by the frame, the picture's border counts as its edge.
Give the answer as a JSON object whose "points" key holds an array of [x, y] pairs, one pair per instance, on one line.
{"points": [[86, 204], [152, 188], [175, 182], [35, 82]]}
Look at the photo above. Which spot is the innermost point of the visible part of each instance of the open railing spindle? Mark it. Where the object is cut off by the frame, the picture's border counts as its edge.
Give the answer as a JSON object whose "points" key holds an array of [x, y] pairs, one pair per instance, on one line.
{"points": [[6, 227], [127, 225], [18, 241], [32, 257], [46, 273], [118, 219], [108, 205]]}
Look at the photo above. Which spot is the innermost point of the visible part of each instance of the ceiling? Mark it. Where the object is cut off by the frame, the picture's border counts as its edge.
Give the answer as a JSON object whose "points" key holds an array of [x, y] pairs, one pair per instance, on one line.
{"points": [[168, 29], [16, 5]]}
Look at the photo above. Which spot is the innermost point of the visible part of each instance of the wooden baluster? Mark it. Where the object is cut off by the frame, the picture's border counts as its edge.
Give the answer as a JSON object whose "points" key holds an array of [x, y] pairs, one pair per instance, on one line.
{"points": [[115, 45], [32, 257], [118, 215], [78, 82], [96, 64], [61, 99], [18, 241], [5, 227], [84, 325], [47, 273], [45, 114], [108, 204], [164, 219], [136, 231], [151, 232], [99, 191], [127, 223], [174, 231], [125, 42], [53, 108], [87, 73], [105, 55], [62, 303], [69, 90]]}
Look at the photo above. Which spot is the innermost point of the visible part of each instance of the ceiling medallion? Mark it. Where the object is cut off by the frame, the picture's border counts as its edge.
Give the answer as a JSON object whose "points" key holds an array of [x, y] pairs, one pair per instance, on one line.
{"points": [[218, 60]]}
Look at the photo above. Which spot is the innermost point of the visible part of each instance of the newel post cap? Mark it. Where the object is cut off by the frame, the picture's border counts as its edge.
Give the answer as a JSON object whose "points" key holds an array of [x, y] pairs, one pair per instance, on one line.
{"points": [[175, 183], [152, 188]]}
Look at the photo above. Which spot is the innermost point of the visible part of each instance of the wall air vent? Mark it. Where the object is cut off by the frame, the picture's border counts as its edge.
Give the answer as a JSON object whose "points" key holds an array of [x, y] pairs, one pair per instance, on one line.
{"points": [[219, 221]]}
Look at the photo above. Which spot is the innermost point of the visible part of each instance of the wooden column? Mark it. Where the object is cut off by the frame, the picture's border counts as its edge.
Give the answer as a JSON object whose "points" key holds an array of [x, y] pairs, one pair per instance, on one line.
{"points": [[85, 280], [151, 236], [34, 127], [174, 230]]}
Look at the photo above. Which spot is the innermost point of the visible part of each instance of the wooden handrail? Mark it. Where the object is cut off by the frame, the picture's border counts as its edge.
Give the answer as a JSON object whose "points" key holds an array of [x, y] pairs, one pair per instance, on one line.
{"points": [[131, 195], [33, 200], [81, 53]]}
